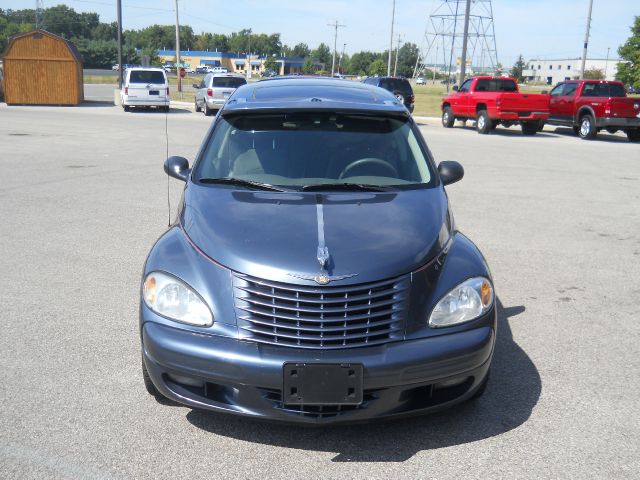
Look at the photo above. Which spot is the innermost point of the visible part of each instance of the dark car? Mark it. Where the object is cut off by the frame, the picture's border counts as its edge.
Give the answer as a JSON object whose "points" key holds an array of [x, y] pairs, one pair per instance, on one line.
{"points": [[400, 87], [314, 272]]}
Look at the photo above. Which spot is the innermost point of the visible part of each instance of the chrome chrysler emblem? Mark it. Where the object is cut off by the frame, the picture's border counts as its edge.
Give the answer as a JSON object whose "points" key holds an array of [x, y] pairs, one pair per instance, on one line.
{"points": [[322, 278], [322, 256]]}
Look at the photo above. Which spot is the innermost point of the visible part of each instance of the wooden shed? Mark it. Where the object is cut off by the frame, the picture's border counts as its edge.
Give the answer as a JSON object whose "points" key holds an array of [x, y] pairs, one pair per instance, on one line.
{"points": [[42, 69]]}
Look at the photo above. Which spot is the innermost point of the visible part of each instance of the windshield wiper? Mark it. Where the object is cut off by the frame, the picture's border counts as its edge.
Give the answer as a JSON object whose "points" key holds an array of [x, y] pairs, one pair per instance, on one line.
{"points": [[345, 187], [242, 183]]}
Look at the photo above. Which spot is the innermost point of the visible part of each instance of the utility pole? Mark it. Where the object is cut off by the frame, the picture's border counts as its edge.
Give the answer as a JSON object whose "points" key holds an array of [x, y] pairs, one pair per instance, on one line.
{"points": [[393, 14], [606, 63], [177, 49], [119, 7], [39, 8], [465, 37], [395, 67], [344, 45], [586, 40], [335, 25]]}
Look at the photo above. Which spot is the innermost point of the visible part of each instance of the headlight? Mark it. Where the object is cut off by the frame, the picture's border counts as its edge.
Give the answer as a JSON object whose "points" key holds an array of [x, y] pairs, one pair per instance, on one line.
{"points": [[464, 303], [168, 296]]}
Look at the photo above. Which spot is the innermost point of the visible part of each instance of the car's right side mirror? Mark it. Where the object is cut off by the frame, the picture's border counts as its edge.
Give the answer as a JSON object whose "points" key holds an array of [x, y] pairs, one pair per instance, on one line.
{"points": [[177, 167], [450, 172], [455, 88]]}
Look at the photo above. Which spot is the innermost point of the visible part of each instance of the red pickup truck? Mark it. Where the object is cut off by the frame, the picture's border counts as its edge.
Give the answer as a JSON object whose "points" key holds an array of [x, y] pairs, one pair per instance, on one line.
{"points": [[492, 101], [592, 105]]}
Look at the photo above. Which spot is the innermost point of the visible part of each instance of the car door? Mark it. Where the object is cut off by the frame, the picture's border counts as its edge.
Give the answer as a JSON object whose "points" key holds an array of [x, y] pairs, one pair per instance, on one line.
{"points": [[461, 99], [147, 86], [561, 100]]}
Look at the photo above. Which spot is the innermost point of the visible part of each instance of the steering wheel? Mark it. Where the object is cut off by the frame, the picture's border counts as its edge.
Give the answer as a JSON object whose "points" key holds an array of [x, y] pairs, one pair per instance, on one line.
{"points": [[369, 166]]}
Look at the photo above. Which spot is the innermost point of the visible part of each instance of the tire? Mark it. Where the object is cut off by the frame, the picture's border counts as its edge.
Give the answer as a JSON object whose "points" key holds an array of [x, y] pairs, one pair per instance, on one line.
{"points": [[399, 97], [576, 130], [207, 111], [633, 135], [540, 125], [148, 384], [529, 128], [483, 387], [198, 109], [587, 129], [483, 122], [447, 118], [612, 130], [126, 108]]}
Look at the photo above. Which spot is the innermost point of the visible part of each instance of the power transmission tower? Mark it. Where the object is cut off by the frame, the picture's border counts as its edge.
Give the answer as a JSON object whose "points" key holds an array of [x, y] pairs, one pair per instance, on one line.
{"points": [[335, 25], [457, 28], [39, 10]]}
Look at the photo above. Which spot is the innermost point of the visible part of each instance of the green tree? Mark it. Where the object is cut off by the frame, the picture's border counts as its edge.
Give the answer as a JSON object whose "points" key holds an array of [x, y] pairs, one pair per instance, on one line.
{"points": [[271, 64], [301, 50], [323, 55], [517, 69], [629, 70], [594, 74], [407, 56], [377, 67], [360, 62], [308, 65]]}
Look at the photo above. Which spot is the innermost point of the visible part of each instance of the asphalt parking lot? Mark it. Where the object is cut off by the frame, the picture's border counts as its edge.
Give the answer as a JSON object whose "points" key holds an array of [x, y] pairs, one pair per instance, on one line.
{"points": [[83, 198]]}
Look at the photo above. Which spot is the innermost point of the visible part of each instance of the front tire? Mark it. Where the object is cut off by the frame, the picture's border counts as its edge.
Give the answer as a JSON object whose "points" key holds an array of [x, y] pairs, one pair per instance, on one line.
{"points": [[633, 135], [447, 118], [483, 122], [587, 129]]}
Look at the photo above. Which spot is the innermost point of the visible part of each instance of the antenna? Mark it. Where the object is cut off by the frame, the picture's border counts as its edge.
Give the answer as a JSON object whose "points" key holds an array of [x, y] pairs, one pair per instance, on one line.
{"points": [[39, 9], [457, 25]]}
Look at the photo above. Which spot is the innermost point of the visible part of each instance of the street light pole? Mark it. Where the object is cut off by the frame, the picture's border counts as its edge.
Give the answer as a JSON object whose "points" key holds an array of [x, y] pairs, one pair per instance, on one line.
{"points": [[606, 63], [119, 7], [178, 50], [586, 40], [393, 14]]}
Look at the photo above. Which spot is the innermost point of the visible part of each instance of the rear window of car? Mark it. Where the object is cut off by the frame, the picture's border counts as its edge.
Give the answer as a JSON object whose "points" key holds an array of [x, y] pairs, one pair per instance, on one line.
{"points": [[146, 76], [402, 85], [228, 82], [496, 85], [603, 90]]}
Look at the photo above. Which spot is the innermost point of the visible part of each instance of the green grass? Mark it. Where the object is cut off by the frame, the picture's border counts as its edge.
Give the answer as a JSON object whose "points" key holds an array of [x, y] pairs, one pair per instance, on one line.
{"points": [[428, 99]]}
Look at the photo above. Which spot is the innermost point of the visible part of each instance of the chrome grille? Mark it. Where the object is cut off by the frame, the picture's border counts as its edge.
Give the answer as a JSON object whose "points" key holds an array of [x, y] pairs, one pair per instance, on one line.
{"points": [[321, 317]]}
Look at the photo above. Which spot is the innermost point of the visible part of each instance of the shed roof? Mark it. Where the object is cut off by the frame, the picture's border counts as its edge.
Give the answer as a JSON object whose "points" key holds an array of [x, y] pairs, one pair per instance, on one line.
{"points": [[72, 48]]}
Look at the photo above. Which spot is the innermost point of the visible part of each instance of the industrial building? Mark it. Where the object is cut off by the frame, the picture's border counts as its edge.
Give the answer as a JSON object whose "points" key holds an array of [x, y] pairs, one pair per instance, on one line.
{"points": [[554, 71]]}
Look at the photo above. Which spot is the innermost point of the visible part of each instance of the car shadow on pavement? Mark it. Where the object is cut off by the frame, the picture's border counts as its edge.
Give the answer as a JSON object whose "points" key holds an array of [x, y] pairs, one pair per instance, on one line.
{"points": [[513, 391], [603, 136]]}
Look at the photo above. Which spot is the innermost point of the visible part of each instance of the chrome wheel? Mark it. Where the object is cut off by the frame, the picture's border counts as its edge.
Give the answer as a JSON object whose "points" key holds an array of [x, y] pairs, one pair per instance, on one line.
{"points": [[585, 126], [481, 123]]}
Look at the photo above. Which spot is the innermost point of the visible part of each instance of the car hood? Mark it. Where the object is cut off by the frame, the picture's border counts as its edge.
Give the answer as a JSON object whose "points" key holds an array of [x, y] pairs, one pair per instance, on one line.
{"points": [[275, 235]]}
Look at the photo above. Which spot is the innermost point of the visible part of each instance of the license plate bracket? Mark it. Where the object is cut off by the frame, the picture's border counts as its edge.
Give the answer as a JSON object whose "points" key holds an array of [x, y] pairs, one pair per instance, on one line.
{"points": [[322, 384]]}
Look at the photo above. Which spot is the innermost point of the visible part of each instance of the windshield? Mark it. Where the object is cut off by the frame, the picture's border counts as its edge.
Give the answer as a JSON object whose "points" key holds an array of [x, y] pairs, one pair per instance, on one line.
{"points": [[146, 76], [305, 149]]}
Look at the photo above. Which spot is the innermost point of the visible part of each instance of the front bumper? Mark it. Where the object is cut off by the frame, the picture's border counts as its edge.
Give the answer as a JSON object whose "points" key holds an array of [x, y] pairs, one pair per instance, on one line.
{"points": [[624, 122], [246, 378]]}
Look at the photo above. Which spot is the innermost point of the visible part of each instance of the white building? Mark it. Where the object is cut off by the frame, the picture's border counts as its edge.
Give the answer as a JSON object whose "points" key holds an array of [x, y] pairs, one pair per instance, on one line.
{"points": [[554, 71]]}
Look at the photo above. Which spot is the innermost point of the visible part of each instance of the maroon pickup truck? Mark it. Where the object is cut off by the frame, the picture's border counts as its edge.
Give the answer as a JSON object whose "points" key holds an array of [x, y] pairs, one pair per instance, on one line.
{"points": [[492, 101], [592, 105]]}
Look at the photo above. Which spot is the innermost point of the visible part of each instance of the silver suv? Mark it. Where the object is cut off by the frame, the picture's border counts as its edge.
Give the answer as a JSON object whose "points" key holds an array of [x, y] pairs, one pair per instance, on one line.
{"points": [[214, 89]]}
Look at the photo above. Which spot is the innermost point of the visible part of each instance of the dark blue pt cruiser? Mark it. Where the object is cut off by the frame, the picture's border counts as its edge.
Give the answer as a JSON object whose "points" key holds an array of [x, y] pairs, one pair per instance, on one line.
{"points": [[314, 273]]}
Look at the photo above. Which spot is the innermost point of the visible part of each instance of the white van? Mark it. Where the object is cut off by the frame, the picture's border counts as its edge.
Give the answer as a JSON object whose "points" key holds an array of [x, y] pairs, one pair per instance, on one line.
{"points": [[145, 87], [217, 70]]}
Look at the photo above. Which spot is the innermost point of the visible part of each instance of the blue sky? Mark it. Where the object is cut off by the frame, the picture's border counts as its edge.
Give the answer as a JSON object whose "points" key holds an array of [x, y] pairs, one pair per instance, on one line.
{"points": [[535, 28]]}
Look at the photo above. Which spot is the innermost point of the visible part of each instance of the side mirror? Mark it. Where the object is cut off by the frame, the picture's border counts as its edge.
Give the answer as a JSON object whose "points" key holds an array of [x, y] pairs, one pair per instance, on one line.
{"points": [[450, 172], [455, 88], [544, 92], [177, 167], [196, 86]]}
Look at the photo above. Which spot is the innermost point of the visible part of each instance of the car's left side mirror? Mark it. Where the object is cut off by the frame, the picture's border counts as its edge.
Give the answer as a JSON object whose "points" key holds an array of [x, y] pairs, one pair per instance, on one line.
{"points": [[544, 92], [450, 172], [455, 88], [177, 167]]}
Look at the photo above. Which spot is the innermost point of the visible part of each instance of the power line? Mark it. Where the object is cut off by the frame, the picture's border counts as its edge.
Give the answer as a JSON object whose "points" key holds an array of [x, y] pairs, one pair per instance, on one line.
{"points": [[335, 25]]}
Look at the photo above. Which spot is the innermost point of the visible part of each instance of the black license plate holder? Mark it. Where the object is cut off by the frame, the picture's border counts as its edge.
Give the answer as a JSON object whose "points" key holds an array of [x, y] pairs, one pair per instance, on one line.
{"points": [[154, 92], [322, 384]]}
